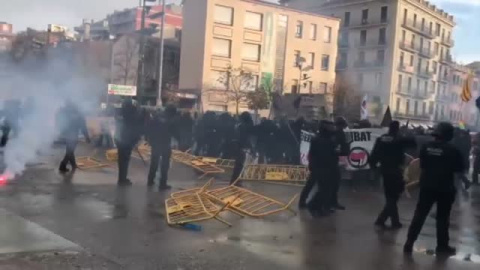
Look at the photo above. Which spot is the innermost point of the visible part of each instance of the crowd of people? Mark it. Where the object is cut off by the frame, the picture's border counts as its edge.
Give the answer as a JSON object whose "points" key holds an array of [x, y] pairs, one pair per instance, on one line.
{"points": [[444, 156]]}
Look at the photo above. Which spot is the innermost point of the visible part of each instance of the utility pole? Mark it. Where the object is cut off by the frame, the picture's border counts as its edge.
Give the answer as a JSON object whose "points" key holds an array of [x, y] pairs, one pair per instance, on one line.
{"points": [[162, 48], [141, 53]]}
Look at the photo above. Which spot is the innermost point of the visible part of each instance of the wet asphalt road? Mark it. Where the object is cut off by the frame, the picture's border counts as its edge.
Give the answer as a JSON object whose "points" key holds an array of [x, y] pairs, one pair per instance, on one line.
{"points": [[82, 221]]}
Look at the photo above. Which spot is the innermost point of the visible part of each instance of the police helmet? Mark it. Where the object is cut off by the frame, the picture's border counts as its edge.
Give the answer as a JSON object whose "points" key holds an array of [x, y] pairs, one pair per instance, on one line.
{"points": [[444, 131]]}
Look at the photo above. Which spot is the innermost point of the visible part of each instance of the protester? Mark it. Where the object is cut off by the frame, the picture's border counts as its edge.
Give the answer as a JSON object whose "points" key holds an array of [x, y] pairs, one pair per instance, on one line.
{"points": [[242, 143]]}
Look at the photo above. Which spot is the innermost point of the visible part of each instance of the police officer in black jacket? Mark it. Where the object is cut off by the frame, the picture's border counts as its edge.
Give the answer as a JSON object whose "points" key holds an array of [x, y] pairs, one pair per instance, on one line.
{"points": [[324, 170], [439, 161], [241, 143], [389, 152], [129, 128], [74, 124], [159, 133]]}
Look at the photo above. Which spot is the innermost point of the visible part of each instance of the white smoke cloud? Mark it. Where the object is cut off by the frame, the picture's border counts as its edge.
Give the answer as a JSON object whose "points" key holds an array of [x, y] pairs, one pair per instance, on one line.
{"points": [[49, 84]]}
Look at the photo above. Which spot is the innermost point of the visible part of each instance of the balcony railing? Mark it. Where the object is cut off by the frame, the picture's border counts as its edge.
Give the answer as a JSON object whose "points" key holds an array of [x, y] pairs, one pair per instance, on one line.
{"points": [[404, 92], [410, 115], [446, 59], [408, 46], [425, 74], [425, 30], [448, 42], [343, 45], [369, 65], [426, 52], [364, 23], [370, 44], [406, 68], [422, 94]]}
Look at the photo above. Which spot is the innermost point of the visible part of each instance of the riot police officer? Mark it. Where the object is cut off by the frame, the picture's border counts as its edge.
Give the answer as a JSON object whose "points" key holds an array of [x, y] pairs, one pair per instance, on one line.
{"points": [[241, 143], [439, 161], [129, 128], [161, 129], [324, 170], [389, 152]]}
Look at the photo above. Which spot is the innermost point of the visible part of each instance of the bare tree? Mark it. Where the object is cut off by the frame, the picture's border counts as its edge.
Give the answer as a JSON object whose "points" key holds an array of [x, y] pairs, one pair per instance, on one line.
{"points": [[239, 83], [125, 61]]}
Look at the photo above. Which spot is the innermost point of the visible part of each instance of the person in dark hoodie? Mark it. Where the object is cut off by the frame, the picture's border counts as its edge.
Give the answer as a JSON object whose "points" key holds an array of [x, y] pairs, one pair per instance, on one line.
{"points": [[129, 128], [161, 128], [74, 125]]}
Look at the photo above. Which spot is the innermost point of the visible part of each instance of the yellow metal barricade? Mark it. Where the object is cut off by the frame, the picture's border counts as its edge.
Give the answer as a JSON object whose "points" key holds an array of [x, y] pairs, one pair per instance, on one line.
{"points": [[412, 175], [87, 163], [248, 203], [277, 174], [112, 155], [196, 163], [192, 208], [219, 162]]}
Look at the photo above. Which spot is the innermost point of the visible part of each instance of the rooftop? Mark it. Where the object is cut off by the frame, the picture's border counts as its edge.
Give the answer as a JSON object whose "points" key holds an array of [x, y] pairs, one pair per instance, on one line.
{"points": [[264, 3]]}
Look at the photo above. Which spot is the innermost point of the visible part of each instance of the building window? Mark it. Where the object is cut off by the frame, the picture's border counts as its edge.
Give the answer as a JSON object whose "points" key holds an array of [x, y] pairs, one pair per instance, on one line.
{"points": [[360, 79], [397, 106], [299, 29], [296, 58], [311, 59], [405, 15], [361, 58], [365, 16], [402, 59], [223, 15], [344, 39], [252, 84], [323, 88], [327, 34], [435, 66], [363, 37], [407, 107], [253, 21], [400, 82], [434, 85], [430, 107], [313, 32], [414, 20], [221, 47], [437, 29], [384, 14], [404, 36], [343, 60], [382, 36], [409, 84], [251, 52], [411, 60], [309, 86], [418, 86], [381, 57], [430, 28], [423, 24], [294, 86], [415, 108], [346, 21], [436, 48], [219, 80], [412, 43], [425, 87], [378, 78], [325, 62]]}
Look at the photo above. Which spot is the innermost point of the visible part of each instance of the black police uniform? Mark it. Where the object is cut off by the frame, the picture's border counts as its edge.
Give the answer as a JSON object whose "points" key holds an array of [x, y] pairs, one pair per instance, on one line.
{"points": [[160, 130], [324, 170], [439, 162], [129, 128], [240, 144], [76, 124], [389, 152]]}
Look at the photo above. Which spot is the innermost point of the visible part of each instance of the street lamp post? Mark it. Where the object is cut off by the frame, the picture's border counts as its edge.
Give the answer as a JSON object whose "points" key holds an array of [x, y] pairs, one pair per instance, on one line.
{"points": [[162, 48]]}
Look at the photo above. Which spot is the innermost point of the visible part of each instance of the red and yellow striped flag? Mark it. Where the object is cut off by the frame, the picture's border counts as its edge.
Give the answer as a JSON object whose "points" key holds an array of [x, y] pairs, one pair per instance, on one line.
{"points": [[467, 91]]}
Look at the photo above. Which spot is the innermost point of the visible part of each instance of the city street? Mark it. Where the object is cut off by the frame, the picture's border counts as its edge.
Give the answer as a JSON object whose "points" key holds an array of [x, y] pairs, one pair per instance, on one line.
{"points": [[86, 222]]}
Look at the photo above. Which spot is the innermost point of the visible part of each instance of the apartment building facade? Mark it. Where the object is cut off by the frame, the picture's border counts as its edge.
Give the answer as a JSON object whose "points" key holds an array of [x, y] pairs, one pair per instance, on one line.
{"points": [[295, 51], [396, 51]]}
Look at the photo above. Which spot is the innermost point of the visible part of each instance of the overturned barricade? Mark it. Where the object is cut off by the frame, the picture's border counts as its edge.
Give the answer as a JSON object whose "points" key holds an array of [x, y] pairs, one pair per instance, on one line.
{"points": [[88, 163], [276, 174], [193, 161]]}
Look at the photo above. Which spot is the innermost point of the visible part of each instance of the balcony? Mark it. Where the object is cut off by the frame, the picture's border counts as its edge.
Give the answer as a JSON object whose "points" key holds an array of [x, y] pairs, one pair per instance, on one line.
{"points": [[422, 94], [448, 42], [404, 92], [369, 65], [417, 28], [425, 74], [428, 53], [407, 69], [370, 44], [443, 98], [367, 23], [408, 46], [412, 116], [447, 59], [343, 45]]}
